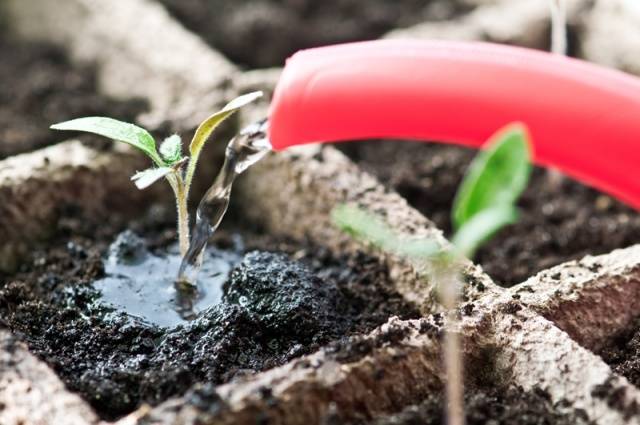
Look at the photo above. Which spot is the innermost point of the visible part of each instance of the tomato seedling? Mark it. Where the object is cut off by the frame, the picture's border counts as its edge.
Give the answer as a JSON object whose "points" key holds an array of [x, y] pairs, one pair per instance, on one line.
{"points": [[169, 162], [485, 202]]}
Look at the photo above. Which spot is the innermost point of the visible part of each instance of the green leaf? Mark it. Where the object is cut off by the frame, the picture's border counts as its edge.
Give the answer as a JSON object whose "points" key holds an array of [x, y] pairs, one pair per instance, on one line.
{"points": [[210, 124], [146, 178], [481, 227], [171, 149], [117, 130], [496, 177], [364, 226], [418, 248]]}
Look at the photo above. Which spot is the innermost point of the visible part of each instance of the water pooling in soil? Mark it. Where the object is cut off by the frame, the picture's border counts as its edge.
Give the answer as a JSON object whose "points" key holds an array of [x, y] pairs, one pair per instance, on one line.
{"points": [[140, 283], [244, 150], [274, 308]]}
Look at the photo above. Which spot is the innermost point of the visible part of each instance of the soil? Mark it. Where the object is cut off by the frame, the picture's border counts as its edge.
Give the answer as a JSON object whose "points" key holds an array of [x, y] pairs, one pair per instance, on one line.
{"points": [[282, 300], [558, 222], [623, 353], [492, 406], [39, 87], [263, 33]]}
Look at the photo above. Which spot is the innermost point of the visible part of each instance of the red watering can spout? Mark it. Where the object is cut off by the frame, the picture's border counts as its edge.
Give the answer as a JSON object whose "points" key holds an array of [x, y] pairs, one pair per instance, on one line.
{"points": [[583, 119]]}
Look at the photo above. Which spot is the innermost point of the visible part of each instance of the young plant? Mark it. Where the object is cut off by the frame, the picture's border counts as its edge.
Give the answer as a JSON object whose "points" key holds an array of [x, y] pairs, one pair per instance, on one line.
{"points": [[558, 9], [485, 202], [169, 162]]}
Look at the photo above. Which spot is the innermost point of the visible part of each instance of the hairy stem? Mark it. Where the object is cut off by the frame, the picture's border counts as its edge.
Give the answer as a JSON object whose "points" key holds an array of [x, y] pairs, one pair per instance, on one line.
{"points": [[179, 190], [191, 170], [183, 218], [449, 287]]}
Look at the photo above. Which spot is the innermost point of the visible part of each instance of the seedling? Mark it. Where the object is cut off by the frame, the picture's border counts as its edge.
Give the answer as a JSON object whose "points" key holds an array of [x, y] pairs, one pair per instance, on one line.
{"points": [[169, 162], [485, 202], [558, 9]]}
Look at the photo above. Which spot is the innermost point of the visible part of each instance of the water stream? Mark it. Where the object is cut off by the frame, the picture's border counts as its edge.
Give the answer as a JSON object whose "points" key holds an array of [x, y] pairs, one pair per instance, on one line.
{"points": [[244, 150]]}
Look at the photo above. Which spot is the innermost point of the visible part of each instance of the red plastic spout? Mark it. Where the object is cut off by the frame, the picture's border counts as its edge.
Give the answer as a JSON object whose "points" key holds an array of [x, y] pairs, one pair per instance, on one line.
{"points": [[583, 119]]}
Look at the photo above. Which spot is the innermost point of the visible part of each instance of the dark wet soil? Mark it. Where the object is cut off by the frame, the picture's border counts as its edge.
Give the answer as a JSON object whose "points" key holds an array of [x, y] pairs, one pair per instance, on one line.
{"points": [[284, 299], [492, 406], [623, 353], [557, 223], [263, 33], [40, 87]]}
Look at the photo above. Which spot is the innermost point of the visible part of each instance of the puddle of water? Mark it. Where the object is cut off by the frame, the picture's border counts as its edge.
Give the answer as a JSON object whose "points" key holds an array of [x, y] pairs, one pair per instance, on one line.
{"points": [[141, 284]]}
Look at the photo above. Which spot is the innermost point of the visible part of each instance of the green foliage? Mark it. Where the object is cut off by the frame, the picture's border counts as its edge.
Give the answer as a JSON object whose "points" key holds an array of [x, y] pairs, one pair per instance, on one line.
{"points": [[360, 224], [170, 155], [171, 149], [207, 127], [210, 124], [117, 130], [364, 226], [170, 160], [144, 179], [496, 177], [481, 227], [484, 204]]}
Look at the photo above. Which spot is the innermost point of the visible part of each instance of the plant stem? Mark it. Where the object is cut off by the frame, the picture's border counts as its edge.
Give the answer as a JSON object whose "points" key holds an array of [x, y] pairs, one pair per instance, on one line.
{"points": [[182, 195], [558, 26], [558, 46], [183, 217], [178, 186], [191, 169], [449, 287]]}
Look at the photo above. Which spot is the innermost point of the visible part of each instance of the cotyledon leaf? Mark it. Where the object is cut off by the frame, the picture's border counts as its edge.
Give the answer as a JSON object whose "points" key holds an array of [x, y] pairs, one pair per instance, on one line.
{"points": [[117, 130], [144, 179], [365, 226], [481, 227], [210, 124], [497, 176]]}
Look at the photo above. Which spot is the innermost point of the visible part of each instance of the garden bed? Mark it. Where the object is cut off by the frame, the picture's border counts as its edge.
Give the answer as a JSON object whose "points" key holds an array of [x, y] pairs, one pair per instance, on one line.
{"points": [[114, 362], [623, 353], [499, 406], [274, 308], [334, 350]]}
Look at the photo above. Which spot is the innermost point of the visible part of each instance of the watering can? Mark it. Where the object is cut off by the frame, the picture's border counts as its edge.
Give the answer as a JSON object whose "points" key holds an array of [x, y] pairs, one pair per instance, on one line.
{"points": [[583, 119]]}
